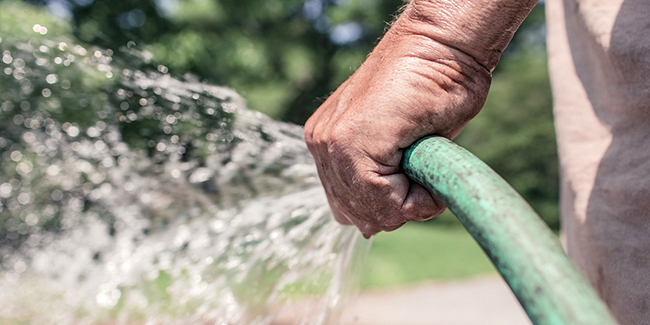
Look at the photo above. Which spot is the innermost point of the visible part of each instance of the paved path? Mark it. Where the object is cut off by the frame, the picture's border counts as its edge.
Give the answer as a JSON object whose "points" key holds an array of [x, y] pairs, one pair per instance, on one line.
{"points": [[480, 301]]}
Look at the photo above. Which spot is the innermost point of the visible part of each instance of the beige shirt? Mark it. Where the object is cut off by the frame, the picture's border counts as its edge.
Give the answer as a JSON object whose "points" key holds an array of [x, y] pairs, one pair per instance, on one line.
{"points": [[599, 60]]}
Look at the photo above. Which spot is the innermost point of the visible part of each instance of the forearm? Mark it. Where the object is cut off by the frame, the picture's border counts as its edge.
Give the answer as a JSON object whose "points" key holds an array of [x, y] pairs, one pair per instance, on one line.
{"points": [[479, 28]]}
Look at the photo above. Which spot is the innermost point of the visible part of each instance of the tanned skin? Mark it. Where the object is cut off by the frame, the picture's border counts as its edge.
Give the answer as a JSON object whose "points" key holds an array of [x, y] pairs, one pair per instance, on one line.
{"points": [[430, 74]]}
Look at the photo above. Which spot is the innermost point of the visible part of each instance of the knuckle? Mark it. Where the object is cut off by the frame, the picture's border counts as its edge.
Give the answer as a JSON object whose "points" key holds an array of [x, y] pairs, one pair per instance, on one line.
{"points": [[309, 136], [340, 134]]}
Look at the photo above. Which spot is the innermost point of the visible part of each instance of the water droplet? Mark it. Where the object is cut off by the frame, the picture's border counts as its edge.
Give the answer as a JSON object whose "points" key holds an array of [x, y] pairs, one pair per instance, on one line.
{"points": [[46, 92], [108, 298], [33, 124], [19, 74], [5, 190], [72, 131], [24, 168], [29, 137], [31, 219], [56, 195], [43, 49], [176, 173], [93, 132], [80, 50], [100, 145], [83, 166], [132, 115], [201, 175], [128, 186], [107, 162], [41, 62], [20, 267], [51, 79], [23, 198], [53, 170], [19, 119], [7, 59], [16, 156]]}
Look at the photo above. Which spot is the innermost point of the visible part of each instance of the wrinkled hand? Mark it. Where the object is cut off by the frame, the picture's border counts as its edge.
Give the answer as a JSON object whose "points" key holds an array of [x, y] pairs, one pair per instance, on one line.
{"points": [[409, 87]]}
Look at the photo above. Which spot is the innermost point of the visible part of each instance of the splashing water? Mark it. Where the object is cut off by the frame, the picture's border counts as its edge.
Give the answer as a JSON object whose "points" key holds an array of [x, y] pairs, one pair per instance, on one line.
{"points": [[130, 196]]}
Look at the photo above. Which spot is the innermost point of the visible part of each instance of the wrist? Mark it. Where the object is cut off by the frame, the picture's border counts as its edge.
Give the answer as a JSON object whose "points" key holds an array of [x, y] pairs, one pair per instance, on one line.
{"points": [[481, 29]]}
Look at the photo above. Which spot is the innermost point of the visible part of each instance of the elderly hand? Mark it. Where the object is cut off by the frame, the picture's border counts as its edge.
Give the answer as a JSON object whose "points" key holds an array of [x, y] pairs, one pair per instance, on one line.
{"points": [[412, 85]]}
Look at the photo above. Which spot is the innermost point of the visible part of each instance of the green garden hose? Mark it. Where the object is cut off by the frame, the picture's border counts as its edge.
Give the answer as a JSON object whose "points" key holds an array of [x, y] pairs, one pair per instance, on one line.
{"points": [[525, 251]]}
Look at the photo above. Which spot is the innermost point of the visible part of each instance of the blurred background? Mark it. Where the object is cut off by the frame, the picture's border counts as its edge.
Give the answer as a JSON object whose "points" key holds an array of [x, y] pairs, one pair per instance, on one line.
{"points": [[285, 56]]}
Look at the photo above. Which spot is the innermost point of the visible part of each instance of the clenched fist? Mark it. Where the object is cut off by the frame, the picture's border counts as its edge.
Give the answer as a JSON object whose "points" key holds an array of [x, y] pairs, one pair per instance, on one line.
{"points": [[418, 81]]}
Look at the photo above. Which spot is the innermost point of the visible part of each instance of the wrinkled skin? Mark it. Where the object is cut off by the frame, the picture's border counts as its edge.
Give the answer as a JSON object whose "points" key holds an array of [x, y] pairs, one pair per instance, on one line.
{"points": [[430, 74], [409, 87]]}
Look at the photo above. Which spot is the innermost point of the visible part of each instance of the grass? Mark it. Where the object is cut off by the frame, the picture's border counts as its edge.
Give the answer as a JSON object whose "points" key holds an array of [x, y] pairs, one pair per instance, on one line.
{"points": [[423, 252]]}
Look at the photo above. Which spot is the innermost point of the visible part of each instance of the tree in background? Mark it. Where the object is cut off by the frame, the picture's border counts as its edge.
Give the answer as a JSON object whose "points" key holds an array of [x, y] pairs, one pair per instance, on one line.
{"points": [[282, 55]]}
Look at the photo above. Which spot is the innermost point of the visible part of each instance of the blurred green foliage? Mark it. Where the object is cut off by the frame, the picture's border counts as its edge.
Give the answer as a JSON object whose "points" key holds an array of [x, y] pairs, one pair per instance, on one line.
{"points": [[286, 56], [281, 55]]}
